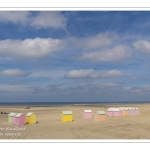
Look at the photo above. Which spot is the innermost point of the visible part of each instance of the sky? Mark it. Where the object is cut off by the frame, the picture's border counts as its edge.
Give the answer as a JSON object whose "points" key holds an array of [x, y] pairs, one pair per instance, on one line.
{"points": [[74, 56]]}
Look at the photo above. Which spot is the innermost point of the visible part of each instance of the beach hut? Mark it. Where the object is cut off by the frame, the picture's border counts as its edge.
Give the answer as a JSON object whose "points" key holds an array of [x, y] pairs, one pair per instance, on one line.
{"points": [[13, 120], [137, 112], [10, 116], [20, 119], [116, 112], [66, 116], [110, 112], [122, 111], [131, 111], [100, 116], [87, 114], [127, 113], [30, 118]]}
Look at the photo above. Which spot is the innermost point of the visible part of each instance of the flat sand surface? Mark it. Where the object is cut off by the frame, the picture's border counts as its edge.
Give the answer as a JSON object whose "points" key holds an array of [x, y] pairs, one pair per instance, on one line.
{"points": [[49, 125]]}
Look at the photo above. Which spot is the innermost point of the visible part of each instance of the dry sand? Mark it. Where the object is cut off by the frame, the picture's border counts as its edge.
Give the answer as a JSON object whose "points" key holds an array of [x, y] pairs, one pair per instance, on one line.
{"points": [[49, 125]]}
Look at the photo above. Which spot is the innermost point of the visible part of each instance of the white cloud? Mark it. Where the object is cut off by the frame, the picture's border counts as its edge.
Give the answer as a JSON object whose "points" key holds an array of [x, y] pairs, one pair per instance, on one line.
{"points": [[94, 42], [43, 19], [144, 89], [15, 88], [90, 73], [142, 45], [117, 54], [49, 74], [14, 16], [80, 73], [36, 48], [49, 19], [134, 78], [13, 72], [108, 85], [112, 74], [127, 88]]}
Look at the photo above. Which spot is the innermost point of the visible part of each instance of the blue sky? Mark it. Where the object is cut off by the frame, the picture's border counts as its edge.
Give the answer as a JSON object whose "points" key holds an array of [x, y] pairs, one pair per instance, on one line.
{"points": [[77, 56]]}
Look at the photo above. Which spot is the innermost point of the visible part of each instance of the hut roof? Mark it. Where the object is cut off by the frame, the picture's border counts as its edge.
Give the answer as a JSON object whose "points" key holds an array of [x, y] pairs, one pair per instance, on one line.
{"points": [[123, 108], [12, 114], [67, 112], [19, 114], [116, 109], [101, 112], [87, 110], [29, 114], [110, 109], [126, 108], [131, 108]]}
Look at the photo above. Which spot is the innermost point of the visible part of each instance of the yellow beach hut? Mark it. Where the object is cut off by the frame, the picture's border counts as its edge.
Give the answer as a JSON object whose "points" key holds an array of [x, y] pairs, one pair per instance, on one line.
{"points": [[66, 116], [30, 118]]}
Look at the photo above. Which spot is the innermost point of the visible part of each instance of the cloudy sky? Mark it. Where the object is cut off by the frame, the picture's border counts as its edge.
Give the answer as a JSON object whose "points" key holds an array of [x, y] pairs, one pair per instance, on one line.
{"points": [[54, 56]]}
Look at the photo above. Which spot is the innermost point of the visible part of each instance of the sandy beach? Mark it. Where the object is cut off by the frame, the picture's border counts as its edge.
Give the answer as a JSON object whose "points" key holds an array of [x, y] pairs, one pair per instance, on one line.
{"points": [[49, 125]]}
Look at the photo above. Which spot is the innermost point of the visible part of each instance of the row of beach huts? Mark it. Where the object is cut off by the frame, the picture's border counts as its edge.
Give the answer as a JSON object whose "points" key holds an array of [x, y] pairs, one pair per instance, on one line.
{"points": [[21, 119], [123, 111], [99, 116], [67, 116]]}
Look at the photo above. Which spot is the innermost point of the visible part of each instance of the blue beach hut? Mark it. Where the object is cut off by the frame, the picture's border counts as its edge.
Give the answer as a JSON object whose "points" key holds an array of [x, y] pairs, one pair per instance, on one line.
{"points": [[131, 111]]}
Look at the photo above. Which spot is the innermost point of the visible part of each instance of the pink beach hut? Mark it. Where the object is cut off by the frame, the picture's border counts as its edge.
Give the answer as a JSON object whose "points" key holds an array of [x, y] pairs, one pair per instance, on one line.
{"points": [[116, 112], [137, 112], [134, 111], [19, 119], [87, 114], [110, 112]]}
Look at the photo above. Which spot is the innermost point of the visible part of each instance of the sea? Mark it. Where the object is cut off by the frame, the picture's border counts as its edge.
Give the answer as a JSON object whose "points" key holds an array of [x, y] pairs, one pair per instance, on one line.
{"points": [[41, 104]]}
